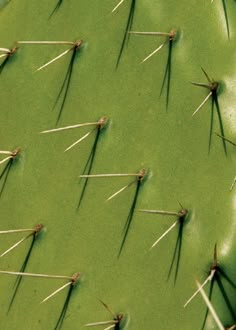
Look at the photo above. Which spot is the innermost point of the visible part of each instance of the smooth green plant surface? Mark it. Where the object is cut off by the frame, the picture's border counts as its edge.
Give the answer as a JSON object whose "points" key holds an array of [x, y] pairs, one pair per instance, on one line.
{"points": [[43, 184]]}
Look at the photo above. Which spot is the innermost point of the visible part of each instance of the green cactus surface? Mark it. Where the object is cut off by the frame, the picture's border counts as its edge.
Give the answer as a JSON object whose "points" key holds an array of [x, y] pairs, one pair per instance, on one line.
{"points": [[189, 163]]}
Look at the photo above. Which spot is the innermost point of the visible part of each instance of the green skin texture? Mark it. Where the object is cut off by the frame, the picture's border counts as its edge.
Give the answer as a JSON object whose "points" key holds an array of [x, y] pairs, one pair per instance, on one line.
{"points": [[43, 185]]}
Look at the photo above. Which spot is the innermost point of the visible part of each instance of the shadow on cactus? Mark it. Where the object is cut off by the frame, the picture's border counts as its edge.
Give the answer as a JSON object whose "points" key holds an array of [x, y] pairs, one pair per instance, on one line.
{"points": [[234, 144], [56, 8], [9, 160], [216, 274], [212, 310], [73, 280], [34, 235], [115, 323], [213, 86], [99, 125], [226, 17], [3, 3], [128, 27], [71, 284], [7, 54], [63, 92], [139, 178], [183, 216], [89, 164], [170, 37]]}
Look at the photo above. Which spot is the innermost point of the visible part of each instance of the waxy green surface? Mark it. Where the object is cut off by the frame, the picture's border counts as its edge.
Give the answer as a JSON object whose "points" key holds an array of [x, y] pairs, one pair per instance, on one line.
{"points": [[43, 185]]}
